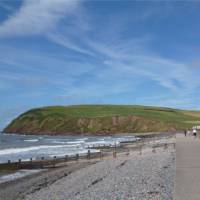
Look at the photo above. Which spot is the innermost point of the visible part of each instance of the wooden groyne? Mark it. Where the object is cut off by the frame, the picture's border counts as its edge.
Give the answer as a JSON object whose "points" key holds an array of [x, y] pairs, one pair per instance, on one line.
{"points": [[47, 162], [104, 151]]}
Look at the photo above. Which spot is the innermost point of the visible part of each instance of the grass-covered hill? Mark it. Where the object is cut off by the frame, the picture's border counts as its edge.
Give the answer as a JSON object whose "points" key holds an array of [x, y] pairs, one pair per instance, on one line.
{"points": [[101, 119]]}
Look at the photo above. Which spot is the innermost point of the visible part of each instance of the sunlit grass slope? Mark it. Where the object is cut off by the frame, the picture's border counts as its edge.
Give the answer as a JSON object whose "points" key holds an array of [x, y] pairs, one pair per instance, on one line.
{"points": [[102, 119]]}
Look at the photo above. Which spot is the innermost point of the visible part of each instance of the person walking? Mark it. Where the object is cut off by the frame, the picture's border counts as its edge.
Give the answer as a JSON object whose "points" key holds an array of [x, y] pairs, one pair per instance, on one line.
{"points": [[195, 132], [185, 132]]}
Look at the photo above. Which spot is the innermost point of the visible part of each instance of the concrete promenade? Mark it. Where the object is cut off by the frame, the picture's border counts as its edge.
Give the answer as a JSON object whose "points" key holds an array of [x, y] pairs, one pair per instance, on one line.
{"points": [[187, 180]]}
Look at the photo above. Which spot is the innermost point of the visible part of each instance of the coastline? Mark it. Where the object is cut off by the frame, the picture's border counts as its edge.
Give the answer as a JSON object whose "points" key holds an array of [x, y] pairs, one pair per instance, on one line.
{"points": [[136, 134], [91, 149], [29, 186]]}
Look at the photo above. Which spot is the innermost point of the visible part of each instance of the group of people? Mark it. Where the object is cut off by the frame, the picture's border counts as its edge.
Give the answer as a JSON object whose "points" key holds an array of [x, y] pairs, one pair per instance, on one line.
{"points": [[193, 132]]}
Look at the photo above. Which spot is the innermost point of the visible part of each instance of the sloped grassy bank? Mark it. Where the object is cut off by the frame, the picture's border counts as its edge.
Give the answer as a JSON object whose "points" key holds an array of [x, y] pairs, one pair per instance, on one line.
{"points": [[101, 119]]}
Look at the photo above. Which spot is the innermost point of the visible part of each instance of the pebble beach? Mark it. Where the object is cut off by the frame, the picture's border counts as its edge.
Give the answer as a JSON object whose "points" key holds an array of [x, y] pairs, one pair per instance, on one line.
{"points": [[134, 176]]}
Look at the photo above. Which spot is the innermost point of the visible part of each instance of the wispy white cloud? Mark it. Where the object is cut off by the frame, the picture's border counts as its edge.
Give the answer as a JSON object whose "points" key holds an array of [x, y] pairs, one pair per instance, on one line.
{"points": [[119, 63], [126, 56], [36, 17], [66, 42]]}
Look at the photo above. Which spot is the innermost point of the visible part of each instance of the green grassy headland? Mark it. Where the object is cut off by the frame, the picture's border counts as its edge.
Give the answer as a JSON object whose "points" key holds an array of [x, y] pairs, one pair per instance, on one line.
{"points": [[102, 119]]}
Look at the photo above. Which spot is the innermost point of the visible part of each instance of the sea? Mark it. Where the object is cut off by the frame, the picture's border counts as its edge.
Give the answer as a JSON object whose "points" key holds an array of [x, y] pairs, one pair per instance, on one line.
{"points": [[14, 147]]}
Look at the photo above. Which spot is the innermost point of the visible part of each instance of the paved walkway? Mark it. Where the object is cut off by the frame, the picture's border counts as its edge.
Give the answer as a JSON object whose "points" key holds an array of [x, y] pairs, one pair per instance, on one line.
{"points": [[187, 181]]}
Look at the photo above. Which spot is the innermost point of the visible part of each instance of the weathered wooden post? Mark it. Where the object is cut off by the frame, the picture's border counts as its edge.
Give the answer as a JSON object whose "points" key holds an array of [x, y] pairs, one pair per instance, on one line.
{"points": [[101, 154], [54, 161], [140, 150], [88, 154], [66, 158], [77, 157], [165, 146], [41, 163], [115, 151], [19, 163], [128, 152], [114, 154], [31, 160]]}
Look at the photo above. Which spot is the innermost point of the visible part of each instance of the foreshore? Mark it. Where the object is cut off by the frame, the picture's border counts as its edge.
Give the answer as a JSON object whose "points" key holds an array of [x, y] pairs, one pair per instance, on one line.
{"points": [[133, 175]]}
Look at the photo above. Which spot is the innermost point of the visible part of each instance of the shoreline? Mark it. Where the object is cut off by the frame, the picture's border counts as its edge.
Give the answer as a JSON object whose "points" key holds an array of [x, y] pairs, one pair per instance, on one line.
{"points": [[94, 151], [32, 183], [143, 134]]}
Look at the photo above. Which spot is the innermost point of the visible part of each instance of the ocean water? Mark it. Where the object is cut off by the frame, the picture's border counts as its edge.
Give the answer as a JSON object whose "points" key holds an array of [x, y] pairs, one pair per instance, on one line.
{"points": [[12, 175], [24, 147]]}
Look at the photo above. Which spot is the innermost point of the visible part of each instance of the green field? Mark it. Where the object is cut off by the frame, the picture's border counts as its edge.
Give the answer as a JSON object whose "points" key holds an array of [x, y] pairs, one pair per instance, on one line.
{"points": [[102, 119]]}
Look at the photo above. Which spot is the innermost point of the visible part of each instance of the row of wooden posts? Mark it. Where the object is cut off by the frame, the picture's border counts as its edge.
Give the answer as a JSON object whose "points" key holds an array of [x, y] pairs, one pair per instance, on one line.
{"points": [[88, 156], [67, 158]]}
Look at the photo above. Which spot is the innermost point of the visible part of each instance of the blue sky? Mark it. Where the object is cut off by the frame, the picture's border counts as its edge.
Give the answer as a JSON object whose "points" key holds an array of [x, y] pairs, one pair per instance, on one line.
{"points": [[61, 52]]}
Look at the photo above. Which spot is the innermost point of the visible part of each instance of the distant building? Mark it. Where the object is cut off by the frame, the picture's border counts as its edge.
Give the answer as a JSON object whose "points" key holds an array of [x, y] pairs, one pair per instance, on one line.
{"points": [[196, 127]]}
